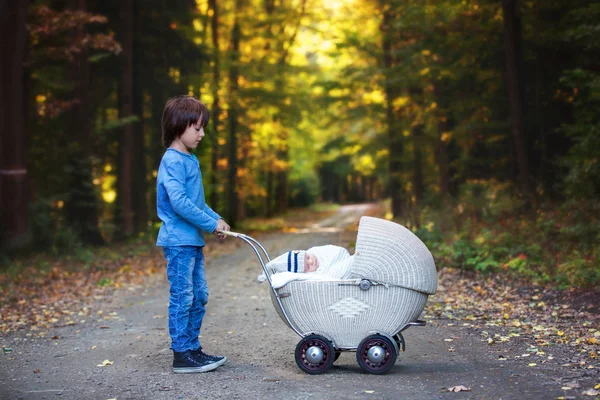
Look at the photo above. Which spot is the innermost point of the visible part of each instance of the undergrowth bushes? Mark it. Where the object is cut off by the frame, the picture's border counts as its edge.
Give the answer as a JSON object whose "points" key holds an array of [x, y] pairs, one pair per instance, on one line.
{"points": [[555, 244]]}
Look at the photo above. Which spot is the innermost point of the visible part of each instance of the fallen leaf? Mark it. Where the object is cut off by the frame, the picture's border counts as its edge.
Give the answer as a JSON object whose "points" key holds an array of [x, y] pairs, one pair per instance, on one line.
{"points": [[459, 388], [532, 364], [591, 392], [105, 363], [369, 391]]}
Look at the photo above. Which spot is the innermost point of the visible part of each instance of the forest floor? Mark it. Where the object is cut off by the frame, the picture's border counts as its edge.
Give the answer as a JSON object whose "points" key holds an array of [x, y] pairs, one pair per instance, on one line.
{"points": [[96, 328]]}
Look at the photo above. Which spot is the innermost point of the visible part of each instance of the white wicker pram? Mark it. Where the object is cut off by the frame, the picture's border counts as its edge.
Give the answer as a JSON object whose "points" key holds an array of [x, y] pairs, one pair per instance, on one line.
{"points": [[392, 275]]}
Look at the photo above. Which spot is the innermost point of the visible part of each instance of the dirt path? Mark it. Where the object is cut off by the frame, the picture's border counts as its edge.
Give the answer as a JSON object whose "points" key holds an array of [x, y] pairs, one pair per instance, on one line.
{"points": [[241, 322]]}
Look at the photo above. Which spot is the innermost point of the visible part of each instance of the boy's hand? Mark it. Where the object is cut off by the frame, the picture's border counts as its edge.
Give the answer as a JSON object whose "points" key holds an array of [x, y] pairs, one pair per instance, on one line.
{"points": [[222, 226]]}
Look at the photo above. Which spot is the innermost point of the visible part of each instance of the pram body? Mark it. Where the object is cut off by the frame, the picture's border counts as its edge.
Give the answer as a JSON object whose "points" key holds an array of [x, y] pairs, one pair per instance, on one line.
{"points": [[392, 275]]}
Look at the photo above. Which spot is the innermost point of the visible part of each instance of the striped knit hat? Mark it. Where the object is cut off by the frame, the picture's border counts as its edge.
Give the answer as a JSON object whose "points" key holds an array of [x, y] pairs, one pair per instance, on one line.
{"points": [[292, 261]]}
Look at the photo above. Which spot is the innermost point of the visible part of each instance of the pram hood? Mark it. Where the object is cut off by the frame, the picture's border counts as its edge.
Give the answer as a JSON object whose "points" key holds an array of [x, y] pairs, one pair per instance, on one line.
{"points": [[387, 252]]}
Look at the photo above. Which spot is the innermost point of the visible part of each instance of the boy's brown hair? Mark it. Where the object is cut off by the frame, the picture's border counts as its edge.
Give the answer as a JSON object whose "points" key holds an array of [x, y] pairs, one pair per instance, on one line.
{"points": [[180, 113]]}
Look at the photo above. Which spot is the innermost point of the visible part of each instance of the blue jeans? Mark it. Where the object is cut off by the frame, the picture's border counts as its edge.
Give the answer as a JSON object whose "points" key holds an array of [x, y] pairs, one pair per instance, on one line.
{"points": [[188, 295]]}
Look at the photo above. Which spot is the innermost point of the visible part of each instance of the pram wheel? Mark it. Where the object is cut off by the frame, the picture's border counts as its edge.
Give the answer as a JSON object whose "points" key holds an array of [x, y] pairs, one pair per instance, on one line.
{"points": [[314, 354], [376, 354]]}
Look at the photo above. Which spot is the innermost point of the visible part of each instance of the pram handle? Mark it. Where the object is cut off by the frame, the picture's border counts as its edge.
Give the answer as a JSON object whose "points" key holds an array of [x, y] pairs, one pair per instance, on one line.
{"points": [[229, 233]]}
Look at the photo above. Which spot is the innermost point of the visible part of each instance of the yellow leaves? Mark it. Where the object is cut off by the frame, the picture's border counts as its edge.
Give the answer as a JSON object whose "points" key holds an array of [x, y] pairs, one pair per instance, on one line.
{"points": [[197, 25], [446, 137], [424, 71], [531, 365], [105, 363], [560, 333], [400, 102], [366, 165], [374, 97], [125, 268], [339, 92], [592, 341]]}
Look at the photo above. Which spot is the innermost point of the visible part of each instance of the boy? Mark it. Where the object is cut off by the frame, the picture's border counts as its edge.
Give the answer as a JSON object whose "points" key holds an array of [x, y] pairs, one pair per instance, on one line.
{"points": [[184, 214]]}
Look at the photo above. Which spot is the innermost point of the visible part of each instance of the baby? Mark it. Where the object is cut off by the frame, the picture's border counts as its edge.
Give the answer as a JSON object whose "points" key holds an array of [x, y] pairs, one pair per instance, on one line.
{"points": [[329, 260]]}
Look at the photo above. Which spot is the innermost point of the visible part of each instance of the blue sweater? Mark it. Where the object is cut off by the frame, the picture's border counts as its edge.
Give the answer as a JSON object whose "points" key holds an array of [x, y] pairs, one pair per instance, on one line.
{"points": [[180, 201]]}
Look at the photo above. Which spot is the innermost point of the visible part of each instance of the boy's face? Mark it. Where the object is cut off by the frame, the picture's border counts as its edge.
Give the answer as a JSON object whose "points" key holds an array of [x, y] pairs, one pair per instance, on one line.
{"points": [[310, 262], [193, 135]]}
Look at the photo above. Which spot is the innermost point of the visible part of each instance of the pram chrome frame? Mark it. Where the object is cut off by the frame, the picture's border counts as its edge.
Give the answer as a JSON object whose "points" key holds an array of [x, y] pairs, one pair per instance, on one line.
{"points": [[256, 246]]}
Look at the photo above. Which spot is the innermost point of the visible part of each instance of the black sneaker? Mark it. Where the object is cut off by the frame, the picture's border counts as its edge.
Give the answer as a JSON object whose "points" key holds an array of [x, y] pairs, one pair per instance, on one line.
{"points": [[188, 363], [220, 360]]}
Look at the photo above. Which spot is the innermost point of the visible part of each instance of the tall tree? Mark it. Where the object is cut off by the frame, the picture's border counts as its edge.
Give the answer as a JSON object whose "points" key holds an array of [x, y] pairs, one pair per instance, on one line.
{"points": [[216, 108], [232, 142], [126, 138], [395, 143], [81, 205], [515, 83], [14, 224], [140, 180]]}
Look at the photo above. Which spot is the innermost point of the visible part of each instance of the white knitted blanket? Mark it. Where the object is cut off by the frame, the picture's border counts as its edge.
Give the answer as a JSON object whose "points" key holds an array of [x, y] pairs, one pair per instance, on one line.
{"points": [[334, 263]]}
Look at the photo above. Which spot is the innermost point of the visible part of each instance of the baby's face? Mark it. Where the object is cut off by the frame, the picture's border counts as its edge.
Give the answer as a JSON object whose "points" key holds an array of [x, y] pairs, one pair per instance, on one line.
{"points": [[310, 262]]}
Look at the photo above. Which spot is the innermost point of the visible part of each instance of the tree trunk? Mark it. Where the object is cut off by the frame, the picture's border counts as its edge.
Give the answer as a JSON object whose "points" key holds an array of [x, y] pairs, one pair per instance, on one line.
{"points": [[156, 145], [512, 52], [14, 199], [441, 153], [140, 184], [269, 200], [395, 144], [126, 140], [82, 204], [232, 197], [216, 111], [418, 185]]}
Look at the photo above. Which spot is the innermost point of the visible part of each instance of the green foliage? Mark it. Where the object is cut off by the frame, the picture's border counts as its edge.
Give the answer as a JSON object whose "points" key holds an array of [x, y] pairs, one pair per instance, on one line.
{"points": [[49, 231], [304, 190], [580, 270], [583, 158], [557, 244], [105, 282]]}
